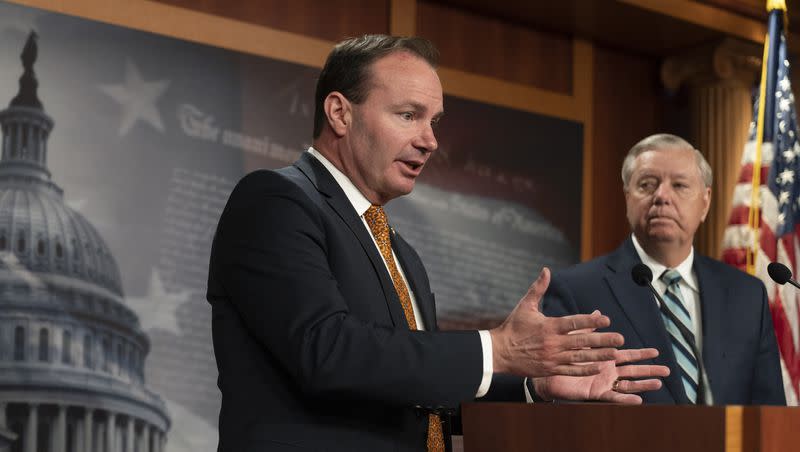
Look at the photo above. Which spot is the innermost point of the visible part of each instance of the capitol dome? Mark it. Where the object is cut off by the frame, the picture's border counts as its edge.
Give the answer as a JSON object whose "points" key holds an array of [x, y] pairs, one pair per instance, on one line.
{"points": [[72, 353], [48, 237]]}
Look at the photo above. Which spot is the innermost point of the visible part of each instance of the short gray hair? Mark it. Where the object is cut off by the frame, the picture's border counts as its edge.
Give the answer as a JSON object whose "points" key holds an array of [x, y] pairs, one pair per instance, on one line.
{"points": [[664, 141]]}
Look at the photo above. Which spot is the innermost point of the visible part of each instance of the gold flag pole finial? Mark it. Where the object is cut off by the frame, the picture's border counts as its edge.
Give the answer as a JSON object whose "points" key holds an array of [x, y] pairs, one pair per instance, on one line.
{"points": [[781, 5], [776, 4]]}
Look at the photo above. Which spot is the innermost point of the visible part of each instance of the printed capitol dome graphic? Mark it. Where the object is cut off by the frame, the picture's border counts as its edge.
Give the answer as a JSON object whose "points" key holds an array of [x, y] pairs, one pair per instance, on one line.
{"points": [[72, 353]]}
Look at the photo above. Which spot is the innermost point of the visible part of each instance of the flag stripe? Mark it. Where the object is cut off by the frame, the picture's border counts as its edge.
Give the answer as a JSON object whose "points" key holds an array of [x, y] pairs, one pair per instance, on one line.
{"points": [[777, 209]]}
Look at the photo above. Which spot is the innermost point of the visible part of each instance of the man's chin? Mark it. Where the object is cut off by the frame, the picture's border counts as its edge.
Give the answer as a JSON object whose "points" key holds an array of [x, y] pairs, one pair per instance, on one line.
{"points": [[399, 190], [404, 186], [661, 237], [659, 233]]}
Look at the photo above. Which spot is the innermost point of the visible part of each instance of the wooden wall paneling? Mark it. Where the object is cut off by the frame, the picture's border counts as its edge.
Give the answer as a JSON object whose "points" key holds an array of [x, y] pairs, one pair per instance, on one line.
{"points": [[491, 47], [706, 16], [403, 18], [332, 20], [756, 9], [582, 80], [626, 108], [651, 27], [513, 95]]}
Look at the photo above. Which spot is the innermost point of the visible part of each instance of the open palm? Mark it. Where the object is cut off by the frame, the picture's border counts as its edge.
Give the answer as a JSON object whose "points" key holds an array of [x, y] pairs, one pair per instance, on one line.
{"points": [[600, 387]]}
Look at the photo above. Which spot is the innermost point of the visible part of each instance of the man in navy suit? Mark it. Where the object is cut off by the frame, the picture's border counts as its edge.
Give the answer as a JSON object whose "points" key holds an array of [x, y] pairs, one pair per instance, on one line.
{"points": [[324, 323], [724, 312]]}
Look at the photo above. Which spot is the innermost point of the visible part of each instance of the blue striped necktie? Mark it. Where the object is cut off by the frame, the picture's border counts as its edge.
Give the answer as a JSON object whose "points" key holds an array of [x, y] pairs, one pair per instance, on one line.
{"points": [[687, 361]]}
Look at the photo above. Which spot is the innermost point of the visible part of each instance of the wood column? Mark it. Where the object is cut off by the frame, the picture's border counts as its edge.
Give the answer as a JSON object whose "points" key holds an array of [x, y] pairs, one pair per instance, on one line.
{"points": [[718, 79]]}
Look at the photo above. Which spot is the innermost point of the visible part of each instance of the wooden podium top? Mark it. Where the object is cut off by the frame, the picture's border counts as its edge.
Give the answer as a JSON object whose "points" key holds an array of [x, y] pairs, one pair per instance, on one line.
{"points": [[614, 428]]}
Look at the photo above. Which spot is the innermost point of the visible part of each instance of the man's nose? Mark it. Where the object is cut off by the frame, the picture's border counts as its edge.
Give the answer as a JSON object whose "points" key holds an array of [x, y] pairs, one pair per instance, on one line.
{"points": [[426, 139], [663, 194]]}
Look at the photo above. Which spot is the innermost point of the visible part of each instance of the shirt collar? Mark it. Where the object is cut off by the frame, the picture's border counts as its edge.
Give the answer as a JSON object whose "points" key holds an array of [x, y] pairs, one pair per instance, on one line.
{"points": [[684, 268], [359, 201]]}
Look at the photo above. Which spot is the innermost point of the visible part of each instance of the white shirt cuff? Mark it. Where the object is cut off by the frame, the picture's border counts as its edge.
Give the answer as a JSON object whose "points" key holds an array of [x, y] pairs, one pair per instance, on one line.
{"points": [[488, 366], [528, 395]]}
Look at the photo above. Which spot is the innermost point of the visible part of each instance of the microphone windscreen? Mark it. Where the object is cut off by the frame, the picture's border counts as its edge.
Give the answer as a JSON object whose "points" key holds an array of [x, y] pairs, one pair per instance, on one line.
{"points": [[779, 272], [642, 275]]}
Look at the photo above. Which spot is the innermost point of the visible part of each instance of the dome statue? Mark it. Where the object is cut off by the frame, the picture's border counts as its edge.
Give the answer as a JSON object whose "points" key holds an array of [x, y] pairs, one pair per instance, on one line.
{"points": [[72, 353]]}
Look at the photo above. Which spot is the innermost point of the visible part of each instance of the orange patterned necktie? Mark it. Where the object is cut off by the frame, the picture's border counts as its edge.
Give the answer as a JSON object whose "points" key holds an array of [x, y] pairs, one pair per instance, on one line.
{"points": [[376, 219]]}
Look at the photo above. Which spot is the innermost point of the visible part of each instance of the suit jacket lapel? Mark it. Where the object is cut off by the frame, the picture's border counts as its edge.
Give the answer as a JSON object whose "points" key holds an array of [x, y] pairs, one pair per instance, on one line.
{"points": [[335, 197], [712, 305], [414, 276], [643, 314]]}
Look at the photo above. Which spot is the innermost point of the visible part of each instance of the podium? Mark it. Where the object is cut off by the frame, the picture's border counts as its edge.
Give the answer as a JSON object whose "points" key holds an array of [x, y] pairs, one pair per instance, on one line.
{"points": [[591, 427]]}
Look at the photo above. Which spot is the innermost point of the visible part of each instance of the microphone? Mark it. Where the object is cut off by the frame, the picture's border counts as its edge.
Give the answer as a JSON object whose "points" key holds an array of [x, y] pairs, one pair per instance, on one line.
{"points": [[781, 274], [643, 276]]}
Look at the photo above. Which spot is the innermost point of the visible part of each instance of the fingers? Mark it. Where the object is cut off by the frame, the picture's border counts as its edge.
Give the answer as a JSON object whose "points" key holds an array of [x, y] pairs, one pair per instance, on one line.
{"points": [[576, 370], [625, 399], [586, 355], [634, 355], [537, 289], [625, 391], [593, 340], [585, 330], [642, 371], [564, 325], [636, 386]]}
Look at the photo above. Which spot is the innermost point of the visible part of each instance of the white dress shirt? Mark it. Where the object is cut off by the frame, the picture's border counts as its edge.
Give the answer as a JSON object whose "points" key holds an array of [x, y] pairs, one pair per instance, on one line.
{"points": [[690, 292], [361, 204]]}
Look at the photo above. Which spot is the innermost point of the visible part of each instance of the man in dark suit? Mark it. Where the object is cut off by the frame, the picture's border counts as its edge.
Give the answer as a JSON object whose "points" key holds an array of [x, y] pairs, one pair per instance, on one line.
{"points": [[724, 312], [324, 323]]}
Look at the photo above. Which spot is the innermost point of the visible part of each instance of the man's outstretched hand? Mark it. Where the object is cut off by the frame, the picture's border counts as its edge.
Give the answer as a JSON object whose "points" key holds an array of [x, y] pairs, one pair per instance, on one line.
{"points": [[530, 344], [602, 387]]}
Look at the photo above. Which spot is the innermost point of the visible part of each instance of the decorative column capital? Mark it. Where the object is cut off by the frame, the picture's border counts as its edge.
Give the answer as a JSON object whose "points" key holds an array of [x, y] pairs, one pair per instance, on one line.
{"points": [[727, 60]]}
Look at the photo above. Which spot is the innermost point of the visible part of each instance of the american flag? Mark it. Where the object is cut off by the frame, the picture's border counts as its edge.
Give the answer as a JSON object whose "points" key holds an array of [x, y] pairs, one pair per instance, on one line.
{"points": [[765, 226]]}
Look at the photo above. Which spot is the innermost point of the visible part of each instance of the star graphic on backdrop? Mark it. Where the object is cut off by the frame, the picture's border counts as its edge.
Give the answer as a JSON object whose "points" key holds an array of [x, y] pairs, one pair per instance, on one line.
{"points": [[137, 98], [157, 309]]}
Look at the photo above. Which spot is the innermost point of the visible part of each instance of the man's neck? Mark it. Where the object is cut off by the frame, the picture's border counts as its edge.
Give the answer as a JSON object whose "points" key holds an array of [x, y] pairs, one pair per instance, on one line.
{"points": [[325, 150], [668, 254]]}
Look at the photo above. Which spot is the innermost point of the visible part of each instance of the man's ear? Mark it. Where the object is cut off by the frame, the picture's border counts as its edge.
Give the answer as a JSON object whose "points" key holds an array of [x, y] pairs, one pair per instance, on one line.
{"points": [[707, 201], [338, 112]]}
